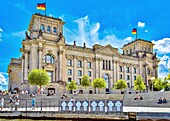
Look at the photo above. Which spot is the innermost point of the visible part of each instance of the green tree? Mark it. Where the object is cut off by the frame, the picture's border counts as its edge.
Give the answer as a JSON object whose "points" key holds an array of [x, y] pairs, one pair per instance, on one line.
{"points": [[99, 83], [120, 84], [159, 84], [139, 83], [168, 77], [85, 82], [71, 85], [38, 77]]}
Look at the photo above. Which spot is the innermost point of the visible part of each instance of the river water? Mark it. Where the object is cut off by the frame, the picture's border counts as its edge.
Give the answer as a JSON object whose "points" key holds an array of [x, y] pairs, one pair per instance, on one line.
{"points": [[1, 119]]}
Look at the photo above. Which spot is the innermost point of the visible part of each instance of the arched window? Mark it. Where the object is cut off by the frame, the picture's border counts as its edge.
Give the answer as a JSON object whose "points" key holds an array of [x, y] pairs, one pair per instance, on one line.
{"points": [[48, 59], [54, 30], [42, 27], [48, 29], [106, 78], [134, 49], [149, 71]]}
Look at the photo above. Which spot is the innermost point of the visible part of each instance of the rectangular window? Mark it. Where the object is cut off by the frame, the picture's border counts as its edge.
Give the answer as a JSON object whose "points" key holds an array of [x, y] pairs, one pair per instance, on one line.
{"points": [[120, 68], [79, 81], [120, 76], [79, 73], [128, 77], [134, 70], [103, 64], [89, 65], [79, 63], [89, 73], [69, 72], [69, 79], [134, 77], [69, 62], [127, 69]]}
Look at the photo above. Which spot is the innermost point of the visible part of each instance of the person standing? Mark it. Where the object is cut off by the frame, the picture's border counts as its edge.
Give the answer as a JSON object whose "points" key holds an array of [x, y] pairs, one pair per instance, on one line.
{"points": [[2, 103], [11, 103], [33, 101], [16, 104]]}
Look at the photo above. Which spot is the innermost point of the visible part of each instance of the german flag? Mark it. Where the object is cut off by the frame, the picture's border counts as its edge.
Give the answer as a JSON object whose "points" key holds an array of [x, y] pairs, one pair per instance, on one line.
{"points": [[41, 6], [134, 31]]}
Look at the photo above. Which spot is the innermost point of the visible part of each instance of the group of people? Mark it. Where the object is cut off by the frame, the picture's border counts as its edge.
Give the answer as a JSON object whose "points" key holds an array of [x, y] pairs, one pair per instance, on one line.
{"points": [[64, 96], [14, 100], [138, 97], [162, 100]]}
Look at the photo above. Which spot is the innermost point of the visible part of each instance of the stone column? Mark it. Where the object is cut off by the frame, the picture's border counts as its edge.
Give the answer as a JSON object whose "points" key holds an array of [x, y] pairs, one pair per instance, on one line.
{"points": [[56, 73], [84, 66], [60, 65], [100, 68], [131, 78], [40, 49], [146, 76], [22, 70], [124, 72], [114, 71], [26, 67], [96, 68], [117, 72], [34, 55], [74, 68]]}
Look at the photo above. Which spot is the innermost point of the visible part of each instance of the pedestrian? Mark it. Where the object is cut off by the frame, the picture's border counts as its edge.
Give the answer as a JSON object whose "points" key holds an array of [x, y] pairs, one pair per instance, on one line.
{"points": [[16, 104], [11, 103], [2, 103], [33, 101]]}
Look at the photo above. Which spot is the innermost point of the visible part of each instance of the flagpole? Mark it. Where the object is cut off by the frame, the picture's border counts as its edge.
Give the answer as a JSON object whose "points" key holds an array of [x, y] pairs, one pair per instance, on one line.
{"points": [[136, 33], [45, 8]]}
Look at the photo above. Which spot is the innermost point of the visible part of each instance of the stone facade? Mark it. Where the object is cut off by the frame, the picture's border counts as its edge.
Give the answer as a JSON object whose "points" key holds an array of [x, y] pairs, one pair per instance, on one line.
{"points": [[45, 48]]}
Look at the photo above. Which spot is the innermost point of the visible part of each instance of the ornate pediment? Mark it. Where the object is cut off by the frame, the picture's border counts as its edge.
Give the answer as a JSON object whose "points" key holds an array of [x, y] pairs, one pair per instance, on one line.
{"points": [[108, 50]]}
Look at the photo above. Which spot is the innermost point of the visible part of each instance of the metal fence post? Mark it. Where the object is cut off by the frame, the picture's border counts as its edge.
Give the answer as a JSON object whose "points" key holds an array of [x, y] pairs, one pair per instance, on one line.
{"points": [[41, 105], [26, 106]]}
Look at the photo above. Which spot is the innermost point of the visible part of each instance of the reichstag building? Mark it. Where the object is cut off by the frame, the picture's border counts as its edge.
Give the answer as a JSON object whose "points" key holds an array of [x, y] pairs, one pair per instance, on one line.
{"points": [[45, 48]]}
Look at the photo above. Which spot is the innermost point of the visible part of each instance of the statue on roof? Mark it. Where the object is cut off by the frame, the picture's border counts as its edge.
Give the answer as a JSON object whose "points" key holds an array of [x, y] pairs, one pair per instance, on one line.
{"points": [[61, 38], [27, 36], [40, 33]]}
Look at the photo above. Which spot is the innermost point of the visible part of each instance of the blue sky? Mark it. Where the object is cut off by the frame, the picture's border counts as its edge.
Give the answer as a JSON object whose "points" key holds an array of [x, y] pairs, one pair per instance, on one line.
{"points": [[91, 21]]}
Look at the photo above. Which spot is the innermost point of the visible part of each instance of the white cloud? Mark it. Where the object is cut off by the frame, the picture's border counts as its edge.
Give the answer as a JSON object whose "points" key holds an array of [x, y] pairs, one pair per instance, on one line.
{"points": [[1, 30], [3, 80], [89, 33], [62, 17], [51, 15], [20, 34], [141, 25], [162, 46], [146, 30], [164, 66], [165, 61]]}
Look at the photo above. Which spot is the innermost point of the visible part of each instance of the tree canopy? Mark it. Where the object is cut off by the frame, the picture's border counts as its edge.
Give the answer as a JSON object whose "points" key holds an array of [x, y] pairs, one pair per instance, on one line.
{"points": [[38, 77], [159, 84], [71, 85], [85, 82], [99, 83], [120, 84], [139, 83]]}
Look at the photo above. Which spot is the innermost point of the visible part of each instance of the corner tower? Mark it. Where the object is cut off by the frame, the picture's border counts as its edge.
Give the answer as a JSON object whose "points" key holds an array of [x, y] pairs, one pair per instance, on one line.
{"points": [[51, 28]]}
